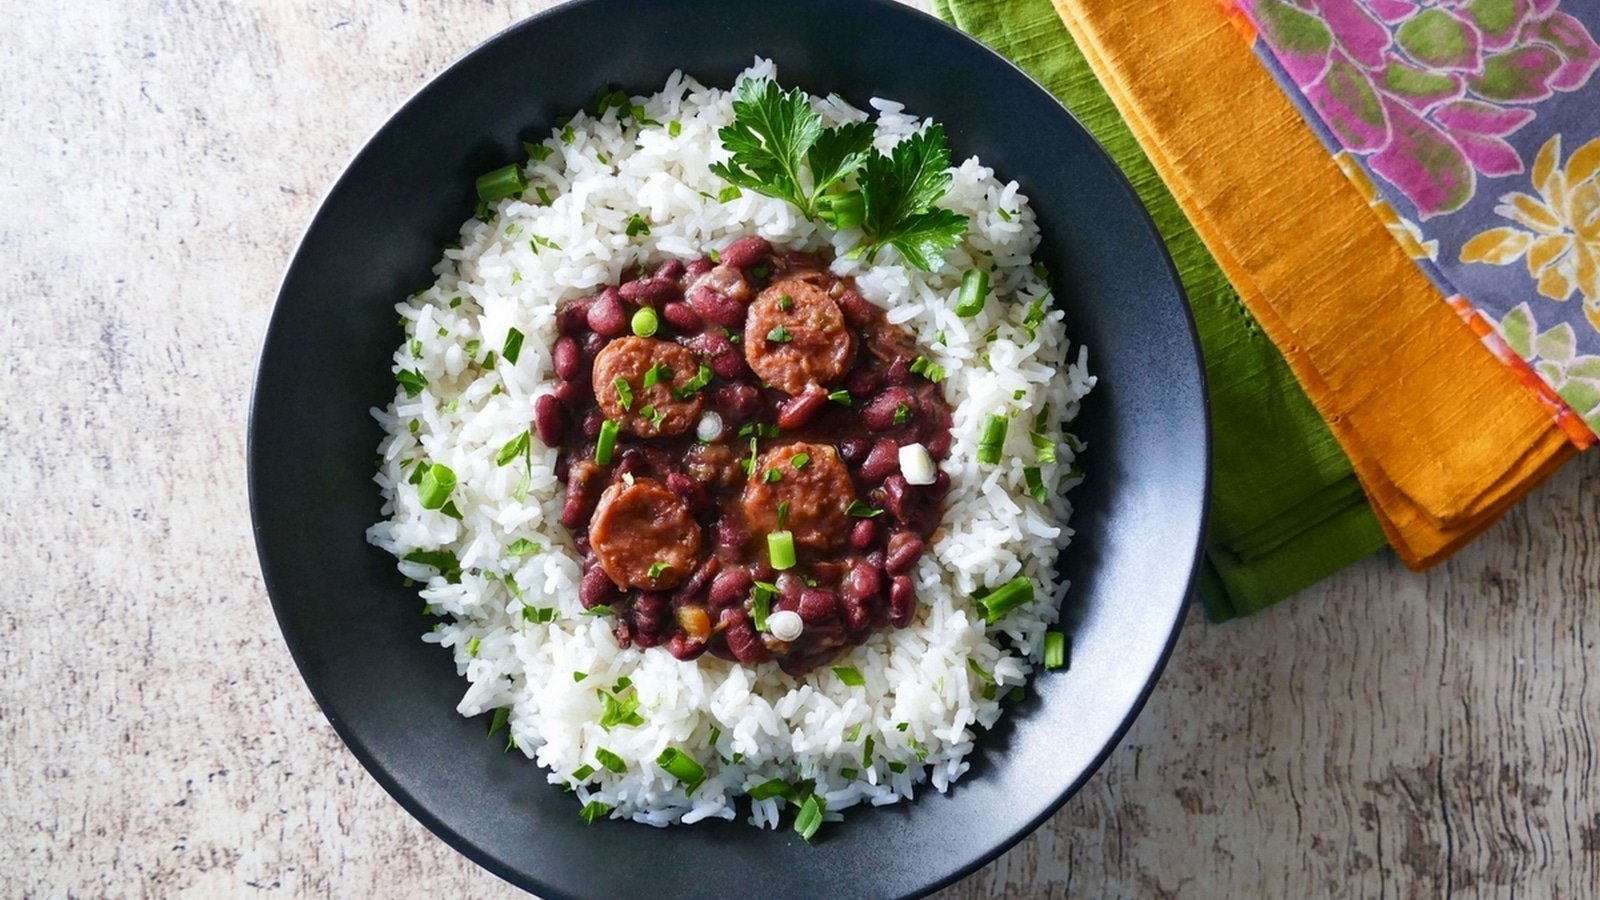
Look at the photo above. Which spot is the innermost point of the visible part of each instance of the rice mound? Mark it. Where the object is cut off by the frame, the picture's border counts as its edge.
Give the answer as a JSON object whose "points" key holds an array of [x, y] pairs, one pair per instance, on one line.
{"points": [[928, 686]]}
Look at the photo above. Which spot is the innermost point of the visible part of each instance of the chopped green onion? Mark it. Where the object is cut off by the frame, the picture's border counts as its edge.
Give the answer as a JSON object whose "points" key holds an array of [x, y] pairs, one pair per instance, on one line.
{"points": [[637, 225], [472, 646], [539, 615], [513, 449], [513, 347], [443, 560], [606, 443], [901, 414], [809, 819], [974, 290], [785, 302], [772, 476], [1005, 598], [657, 569], [902, 726], [615, 711], [761, 603], [777, 787], [780, 335], [729, 193], [846, 210], [499, 719], [412, 381], [579, 676], [897, 767], [599, 611], [593, 810], [1034, 318], [624, 392], [1044, 449], [568, 134], [645, 322], [993, 438], [654, 374], [783, 514], [652, 415], [1035, 481], [674, 128], [583, 772], [861, 510], [715, 256], [928, 369], [800, 460], [698, 382], [522, 547], [780, 547], [850, 676], [840, 397], [1055, 649], [435, 487], [682, 767], [507, 181], [537, 152], [854, 735], [544, 195], [848, 774], [1005, 216], [538, 241]]}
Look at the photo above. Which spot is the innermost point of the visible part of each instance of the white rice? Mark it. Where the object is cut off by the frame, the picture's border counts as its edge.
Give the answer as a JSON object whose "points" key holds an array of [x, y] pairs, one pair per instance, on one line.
{"points": [[924, 694]]}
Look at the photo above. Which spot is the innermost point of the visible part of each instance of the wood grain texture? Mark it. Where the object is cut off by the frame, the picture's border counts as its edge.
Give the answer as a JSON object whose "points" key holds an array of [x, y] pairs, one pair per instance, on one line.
{"points": [[1385, 734]]}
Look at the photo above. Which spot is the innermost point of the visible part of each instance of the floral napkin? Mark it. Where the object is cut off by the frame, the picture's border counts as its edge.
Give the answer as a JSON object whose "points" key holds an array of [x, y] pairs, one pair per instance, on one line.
{"points": [[1474, 128]]}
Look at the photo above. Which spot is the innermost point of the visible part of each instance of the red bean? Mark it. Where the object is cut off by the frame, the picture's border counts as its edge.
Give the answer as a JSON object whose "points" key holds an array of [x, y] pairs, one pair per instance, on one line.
{"points": [[904, 548], [730, 587], [897, 497], [902, 601], [549, 420], [669, 270], [730, 364], [854, 450], [861, 382], [864, 582], [881, 462], [732, 533], [607, 317], [737, 402], [693, 591], [862, 534], [689, 490], [939, 444], [591, 424], [685, 648], [652, 289], [595, 588], [797, 412], [652, 613], [573, 317], [857, 311], [741, 636], [574, 395], [682, 317], [746, 252], [899, 372], [713, 307], [577, 506], [592, 345], [566, 358], [698, 267], [818, 606], [881, 411]]}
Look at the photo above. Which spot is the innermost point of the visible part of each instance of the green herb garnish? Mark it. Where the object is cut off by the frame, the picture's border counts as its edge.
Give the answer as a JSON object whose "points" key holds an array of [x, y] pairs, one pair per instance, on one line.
{"points": [[861, 510], [513, 346], [682, 767], [412, 380], [434, 489], [780, 335], [593, 810], [850, 676], [637, 226]]}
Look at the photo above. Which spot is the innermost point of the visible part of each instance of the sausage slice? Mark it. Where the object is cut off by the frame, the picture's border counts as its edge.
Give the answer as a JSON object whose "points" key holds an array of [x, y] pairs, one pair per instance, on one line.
{"points": [[795, 335], [818, 493], [642, 528], [646, 411]]}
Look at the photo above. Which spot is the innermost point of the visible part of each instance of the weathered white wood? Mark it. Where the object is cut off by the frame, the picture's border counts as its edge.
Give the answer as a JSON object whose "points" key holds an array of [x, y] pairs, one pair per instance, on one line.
{"points": [[1385, 734]]}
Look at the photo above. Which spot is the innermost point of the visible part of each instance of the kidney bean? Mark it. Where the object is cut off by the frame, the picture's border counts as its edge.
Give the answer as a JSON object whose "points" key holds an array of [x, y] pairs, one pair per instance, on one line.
{"points": [[791, 586], [743, 641], [854, 450], [693, 495], [682, 317], [902, 601], [899, 372], [685, 648], [607, 317], [732, 534], [797, 412], [864, 582], [855, 613], [652, 613], [863, 533], [669, 270], [650, 290], [591, 424], [548, 419], [714, 307], [573, 317], [729, 364], [729, 282], [896, 497], [574, 395], [581, 497], [940, 486], [880, 412], [938, 444], [904, 548], [736, 402], [581, 544], [622, 632], [746, 252], [730, 587], [592, 345], [697, 268], [693, 591], [881, 462], [566, 358], [818, 606], [861, 382], [857, 310], [595, 588]]}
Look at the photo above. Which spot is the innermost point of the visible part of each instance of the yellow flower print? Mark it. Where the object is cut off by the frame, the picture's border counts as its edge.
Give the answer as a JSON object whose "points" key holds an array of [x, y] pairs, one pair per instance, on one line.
{"points": [[1559, 233], [1400, 228]]}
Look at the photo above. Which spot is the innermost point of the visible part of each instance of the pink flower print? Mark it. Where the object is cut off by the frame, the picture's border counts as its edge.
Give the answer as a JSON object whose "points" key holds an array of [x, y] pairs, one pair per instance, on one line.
{"points": [[1424, 163], [1348, 101], [1478, 127], [1579, 52], [1353, 28]]}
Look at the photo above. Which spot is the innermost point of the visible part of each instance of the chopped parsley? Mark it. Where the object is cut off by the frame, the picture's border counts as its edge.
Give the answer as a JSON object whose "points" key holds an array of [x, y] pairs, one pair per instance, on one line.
{"points": [[928, 369], [800, 460], [513, 346], [656, 374], [780, 335], [840, 397], [442, 560], [512, 449], [522, 547], [850, 676], [616, 709], [698, 382], [624, 393], [862, 511], [773, 476], [729, 193], [637, 226], [657, 569], [901, 414]]}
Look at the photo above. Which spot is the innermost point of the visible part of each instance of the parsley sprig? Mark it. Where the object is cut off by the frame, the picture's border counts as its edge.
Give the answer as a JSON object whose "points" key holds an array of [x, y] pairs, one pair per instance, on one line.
{"points": [[780, 148]]}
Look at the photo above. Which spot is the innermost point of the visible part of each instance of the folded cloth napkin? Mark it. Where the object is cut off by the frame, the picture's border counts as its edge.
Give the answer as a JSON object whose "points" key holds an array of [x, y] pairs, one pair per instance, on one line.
{"points": [[1442, 436], [1286, 507]]}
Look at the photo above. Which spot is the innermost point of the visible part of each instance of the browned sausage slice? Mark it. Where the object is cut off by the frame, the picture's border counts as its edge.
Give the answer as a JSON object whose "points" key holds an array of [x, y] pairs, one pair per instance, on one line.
{"points": [[646, 411], [795, 335], [818, 493], [643, 528]]}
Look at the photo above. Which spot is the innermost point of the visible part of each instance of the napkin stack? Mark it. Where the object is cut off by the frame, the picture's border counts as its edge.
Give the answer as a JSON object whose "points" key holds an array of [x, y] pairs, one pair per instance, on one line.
{"points": [[1349, 402]]}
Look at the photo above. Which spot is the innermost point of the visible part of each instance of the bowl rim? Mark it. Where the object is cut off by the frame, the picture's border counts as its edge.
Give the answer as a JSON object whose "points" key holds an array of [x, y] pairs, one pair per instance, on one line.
{"points": [[357, 745]]}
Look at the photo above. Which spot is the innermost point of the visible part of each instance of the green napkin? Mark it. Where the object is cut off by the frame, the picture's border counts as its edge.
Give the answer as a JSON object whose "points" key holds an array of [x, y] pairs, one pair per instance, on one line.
{"points": [[1286, 509]]}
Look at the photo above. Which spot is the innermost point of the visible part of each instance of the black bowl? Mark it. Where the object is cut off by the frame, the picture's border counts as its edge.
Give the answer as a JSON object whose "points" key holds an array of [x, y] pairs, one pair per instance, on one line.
{"points": [[354, 630]]}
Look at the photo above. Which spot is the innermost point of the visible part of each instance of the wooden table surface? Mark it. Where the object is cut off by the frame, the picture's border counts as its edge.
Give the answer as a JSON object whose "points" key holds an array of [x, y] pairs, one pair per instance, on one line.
{"points": [[1384, 734]]}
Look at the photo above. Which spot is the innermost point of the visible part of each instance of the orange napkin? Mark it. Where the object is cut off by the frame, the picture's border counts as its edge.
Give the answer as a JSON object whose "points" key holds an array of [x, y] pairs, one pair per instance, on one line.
{"points": [[1442, 436]]}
